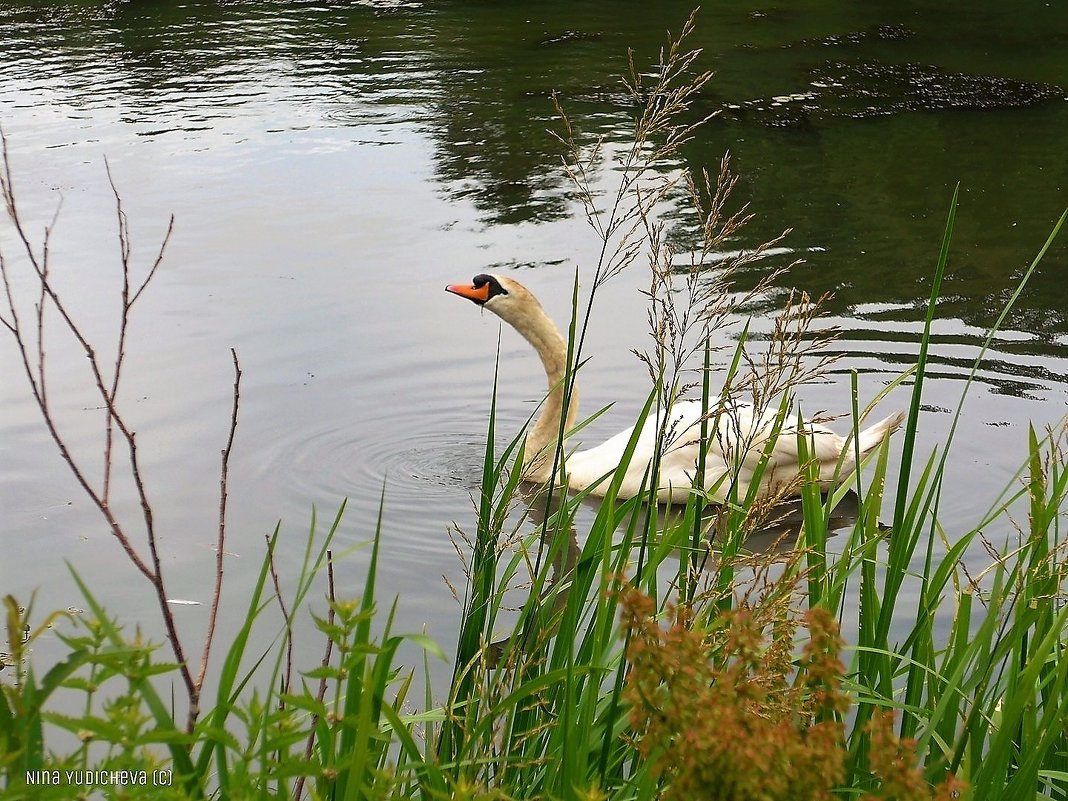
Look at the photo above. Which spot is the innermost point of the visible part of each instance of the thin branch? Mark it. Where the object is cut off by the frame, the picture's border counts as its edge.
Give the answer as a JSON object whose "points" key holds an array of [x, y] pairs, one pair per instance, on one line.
{"points": [[287, 678], [220, 542], [33, 357], [24, 349]]}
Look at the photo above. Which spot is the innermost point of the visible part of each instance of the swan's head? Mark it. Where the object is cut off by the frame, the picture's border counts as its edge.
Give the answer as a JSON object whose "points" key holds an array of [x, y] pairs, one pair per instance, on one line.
{"points": [[508, 299]]}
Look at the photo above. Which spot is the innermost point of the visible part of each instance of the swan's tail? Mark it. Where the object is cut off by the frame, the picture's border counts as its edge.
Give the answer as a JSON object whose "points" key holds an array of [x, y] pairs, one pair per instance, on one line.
{"points": [[871, 437]]}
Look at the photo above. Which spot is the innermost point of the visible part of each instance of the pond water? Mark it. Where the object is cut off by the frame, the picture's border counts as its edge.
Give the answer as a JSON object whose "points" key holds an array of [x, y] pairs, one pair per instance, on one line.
{"points": [[332, 165]]}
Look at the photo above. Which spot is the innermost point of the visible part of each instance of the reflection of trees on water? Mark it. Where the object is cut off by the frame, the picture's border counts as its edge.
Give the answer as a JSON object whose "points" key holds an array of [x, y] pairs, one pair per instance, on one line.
{"points": [[494, 109], [477, 83], [866, 196], [157, 61]]}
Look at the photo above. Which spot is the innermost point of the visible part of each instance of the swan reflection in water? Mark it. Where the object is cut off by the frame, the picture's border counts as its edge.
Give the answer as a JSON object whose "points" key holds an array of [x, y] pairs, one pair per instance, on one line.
{"points": [[774, 538]]}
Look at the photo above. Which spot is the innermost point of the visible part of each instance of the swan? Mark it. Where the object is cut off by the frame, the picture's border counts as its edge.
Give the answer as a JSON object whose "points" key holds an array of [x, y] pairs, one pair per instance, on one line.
{"points": [[737, 437]]}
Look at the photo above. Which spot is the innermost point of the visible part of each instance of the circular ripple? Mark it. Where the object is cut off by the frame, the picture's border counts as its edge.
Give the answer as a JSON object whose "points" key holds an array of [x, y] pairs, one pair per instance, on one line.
{"points": [[423, 479]]}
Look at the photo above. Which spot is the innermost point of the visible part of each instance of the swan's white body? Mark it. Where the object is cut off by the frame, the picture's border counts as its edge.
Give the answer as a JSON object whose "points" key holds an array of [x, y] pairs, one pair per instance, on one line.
{"points": [[736, 443], [736, 438]]}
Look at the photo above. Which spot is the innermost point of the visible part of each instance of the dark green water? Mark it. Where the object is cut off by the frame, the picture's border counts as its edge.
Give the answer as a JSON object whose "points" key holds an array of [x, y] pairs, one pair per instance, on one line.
{"points": [[332, 165]]}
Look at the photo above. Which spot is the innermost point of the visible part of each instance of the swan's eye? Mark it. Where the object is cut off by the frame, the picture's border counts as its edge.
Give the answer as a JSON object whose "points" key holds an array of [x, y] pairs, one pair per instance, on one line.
{"points": [[495, 287]]}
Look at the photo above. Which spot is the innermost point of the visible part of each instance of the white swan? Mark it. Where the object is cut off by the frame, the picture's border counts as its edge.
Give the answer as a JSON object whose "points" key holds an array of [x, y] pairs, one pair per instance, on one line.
{"points": [[736, 439]]}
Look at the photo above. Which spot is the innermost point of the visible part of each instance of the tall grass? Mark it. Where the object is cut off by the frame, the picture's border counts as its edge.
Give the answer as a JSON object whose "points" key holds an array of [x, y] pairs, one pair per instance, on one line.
{"points": [[650, 655]]}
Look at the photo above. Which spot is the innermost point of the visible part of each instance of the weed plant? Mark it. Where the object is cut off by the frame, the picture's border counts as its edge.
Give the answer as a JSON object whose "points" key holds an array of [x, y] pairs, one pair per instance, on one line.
{"points": [[654, 656]]}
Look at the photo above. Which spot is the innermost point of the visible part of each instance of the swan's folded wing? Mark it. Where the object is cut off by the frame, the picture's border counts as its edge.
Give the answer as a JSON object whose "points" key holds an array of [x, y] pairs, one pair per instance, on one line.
{"points": [[587, 467]]}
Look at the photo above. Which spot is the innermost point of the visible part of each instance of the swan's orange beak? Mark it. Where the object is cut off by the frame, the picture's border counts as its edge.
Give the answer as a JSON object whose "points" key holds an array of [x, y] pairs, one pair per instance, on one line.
{"points": [[477, 294]]}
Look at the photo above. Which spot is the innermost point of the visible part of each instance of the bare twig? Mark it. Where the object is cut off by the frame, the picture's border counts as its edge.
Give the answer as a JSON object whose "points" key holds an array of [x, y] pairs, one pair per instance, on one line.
{"points": [[128, 301], [25, 348], [220, 541], [287, 678], [31, 347]]}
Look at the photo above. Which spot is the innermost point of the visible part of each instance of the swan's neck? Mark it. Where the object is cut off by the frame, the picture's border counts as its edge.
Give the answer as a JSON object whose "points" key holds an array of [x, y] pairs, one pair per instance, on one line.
{"points": [[542, 440]]}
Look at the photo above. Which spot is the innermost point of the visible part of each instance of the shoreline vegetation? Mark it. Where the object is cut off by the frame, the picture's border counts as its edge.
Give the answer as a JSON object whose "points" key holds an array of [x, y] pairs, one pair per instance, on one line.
{"points": [[655, 655]]}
